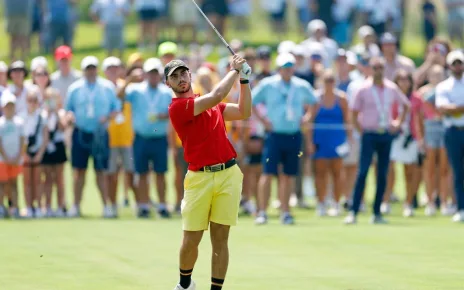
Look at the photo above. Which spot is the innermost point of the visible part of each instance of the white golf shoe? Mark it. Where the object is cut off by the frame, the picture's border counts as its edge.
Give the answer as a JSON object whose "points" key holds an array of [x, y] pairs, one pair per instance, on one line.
{"points": [[459, 217]]}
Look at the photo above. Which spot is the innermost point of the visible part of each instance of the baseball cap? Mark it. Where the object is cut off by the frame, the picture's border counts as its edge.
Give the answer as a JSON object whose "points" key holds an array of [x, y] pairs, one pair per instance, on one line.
{"points": [[18, 65], [285, 60], [63, 52], [454, 56], [388, 38], [315, 25], [172, 66], [37, 62], [153, 64], [111, 61], [365, 31], [167, 47], [89, 61], [7, 98], [263, 52], [286, 46], [3, 67], [133, 58]]}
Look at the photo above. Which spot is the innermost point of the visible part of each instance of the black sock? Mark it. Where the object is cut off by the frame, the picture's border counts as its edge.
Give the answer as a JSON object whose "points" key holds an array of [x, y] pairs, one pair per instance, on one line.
{"points": [[216, 284], [185, 278]]}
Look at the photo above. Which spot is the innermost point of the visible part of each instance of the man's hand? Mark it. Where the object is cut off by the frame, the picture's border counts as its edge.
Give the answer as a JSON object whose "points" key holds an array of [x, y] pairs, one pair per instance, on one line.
{"points": [[37, 159], [70, 118], [267, 125], [395, 126], [245, 72], [237, 62]]}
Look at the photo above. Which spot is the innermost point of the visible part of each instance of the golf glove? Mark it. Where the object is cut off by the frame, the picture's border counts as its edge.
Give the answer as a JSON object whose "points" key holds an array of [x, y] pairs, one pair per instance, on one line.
{"points": [[245, 72]]}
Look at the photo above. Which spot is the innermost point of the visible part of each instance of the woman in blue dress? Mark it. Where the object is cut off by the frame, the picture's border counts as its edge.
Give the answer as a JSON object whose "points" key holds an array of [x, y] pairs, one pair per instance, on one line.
{"points": [[329, 132]]}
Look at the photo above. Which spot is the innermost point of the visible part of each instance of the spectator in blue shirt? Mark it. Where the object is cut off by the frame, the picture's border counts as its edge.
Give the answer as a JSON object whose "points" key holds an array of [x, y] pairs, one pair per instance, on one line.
{"points": [[286, 99], [150, 101], [91, 103], [58, 18]]}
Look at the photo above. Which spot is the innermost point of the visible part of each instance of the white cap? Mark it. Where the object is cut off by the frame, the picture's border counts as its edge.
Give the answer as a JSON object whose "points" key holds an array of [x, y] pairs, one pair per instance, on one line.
{"points": [[111, 61], [286, 46], [315, 25], [3, 67], [152, 64], [7, 98], [300, 50], [285, 60], [89, 61], [365, 30], [39, 61], [454, 56]]}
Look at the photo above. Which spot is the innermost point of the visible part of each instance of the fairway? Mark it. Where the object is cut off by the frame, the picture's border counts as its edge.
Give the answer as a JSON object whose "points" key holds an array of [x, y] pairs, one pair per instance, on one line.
{"points": [[94, 254]]}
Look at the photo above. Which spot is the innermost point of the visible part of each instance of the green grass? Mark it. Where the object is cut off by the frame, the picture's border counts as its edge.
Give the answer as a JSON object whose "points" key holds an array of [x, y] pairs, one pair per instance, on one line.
{"points": [[93, 254], [318, 253]]}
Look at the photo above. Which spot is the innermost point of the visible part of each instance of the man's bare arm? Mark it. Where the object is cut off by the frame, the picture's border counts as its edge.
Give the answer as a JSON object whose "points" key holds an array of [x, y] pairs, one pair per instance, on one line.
{"points": [[221, 91], [242, 110]]}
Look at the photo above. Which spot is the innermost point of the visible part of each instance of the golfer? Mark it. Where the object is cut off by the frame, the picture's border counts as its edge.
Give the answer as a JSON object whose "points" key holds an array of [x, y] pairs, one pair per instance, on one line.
{"points": [[213, 184]]}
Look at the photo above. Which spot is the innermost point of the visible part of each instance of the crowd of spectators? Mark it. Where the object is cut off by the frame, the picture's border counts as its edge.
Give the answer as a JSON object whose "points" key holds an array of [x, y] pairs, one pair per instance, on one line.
{"points": [[319, 115]]}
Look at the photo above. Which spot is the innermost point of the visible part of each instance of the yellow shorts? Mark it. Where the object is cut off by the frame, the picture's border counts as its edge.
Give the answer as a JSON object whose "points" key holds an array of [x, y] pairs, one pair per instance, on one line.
{"points": [[211, 197]]}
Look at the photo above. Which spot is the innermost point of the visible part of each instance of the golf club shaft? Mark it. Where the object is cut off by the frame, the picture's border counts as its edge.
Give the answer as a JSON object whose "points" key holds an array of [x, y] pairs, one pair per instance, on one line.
{"points": [[214, 28]]}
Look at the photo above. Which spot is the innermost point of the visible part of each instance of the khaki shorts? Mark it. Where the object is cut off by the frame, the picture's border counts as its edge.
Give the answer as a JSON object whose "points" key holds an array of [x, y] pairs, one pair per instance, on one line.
{"points": [[211, 197], [121, 156], [19, 25]]}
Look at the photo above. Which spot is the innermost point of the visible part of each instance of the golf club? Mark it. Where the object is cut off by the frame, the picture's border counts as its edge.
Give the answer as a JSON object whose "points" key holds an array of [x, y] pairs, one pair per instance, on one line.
{"points": [[214, 28]]}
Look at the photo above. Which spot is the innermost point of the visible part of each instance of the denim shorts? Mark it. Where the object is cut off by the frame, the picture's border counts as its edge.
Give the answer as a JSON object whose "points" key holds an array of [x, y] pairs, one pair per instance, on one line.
{"points": [[434, 134]]}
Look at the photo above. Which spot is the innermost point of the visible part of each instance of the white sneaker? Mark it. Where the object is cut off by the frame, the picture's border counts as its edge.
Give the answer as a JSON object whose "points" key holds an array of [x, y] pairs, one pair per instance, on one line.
{"points": [[408, 211], [249, 207], [261, 219], [447, 210], [350, 219], [321, 210], [74, 212], [38, 214], [29, 214], [385, 208], [59, 213], [293, 200], [430, 210], [459, 217], [191, 287], [334, 211], [49, 213], [109, 212]]}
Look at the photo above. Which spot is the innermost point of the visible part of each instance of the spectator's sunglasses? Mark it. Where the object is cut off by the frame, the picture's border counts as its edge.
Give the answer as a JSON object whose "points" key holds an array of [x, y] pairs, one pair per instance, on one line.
{"points": [[377, 67], [456, 62], [32, 100]]}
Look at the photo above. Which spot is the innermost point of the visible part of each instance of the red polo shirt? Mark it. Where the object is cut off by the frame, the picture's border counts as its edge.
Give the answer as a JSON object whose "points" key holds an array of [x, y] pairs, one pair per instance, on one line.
{"points": [[204, 137]]}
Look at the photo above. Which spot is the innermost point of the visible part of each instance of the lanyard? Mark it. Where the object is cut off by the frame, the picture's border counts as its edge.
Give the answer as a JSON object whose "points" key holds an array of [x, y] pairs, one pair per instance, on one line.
{"points": [[288, 94], [383, 111], [152, 98]]}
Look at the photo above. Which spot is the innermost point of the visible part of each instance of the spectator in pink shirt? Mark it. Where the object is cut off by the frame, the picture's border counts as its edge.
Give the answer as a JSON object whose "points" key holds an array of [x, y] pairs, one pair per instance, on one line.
{"points": [[373, 118]]}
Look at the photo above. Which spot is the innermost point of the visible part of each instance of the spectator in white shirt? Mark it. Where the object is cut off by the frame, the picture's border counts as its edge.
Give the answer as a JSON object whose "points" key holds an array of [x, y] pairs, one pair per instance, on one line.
{"points": [[368, 42], [317, 31], [12, 140], [112, 15], [17, 73], [450, 102], [36, 132], [393, 60]]}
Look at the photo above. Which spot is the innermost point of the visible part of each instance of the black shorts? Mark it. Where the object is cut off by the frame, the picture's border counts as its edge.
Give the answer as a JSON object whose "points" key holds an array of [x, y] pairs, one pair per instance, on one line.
{"points": [[149, 14], [219, 7], [254, 159], [57, 157]]}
